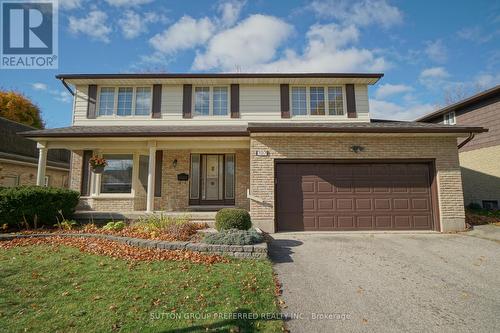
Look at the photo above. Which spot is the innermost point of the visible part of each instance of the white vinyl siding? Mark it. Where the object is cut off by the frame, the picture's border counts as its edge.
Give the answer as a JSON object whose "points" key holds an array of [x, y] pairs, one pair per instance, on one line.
{"points": [[361, 92], [258, 102]]}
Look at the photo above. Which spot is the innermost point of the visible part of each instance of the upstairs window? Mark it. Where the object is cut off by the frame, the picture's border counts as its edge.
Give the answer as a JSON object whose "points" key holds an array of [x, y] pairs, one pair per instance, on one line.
{"points": [[125, 101], [449, 118], [107, 101], [317, 101], [211, 101]]}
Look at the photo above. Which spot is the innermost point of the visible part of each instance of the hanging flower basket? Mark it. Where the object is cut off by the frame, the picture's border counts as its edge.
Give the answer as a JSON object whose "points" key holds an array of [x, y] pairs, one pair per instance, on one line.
{"points": [[97, 164]]}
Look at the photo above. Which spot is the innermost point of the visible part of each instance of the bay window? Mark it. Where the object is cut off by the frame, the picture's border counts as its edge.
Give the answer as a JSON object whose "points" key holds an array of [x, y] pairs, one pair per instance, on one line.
{"points": [[211, 101], [125, 101], [317, 101]]}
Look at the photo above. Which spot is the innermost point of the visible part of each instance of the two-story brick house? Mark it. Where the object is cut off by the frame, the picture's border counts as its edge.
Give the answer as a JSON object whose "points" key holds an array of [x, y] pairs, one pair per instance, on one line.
{"points": [[299, 151], [480, 157]]}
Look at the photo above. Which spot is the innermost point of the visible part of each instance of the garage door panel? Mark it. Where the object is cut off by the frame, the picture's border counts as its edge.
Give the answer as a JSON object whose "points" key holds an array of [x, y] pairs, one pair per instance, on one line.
{"points": [[345, 204], [376, 196], [402, 222], [326, 204], [345, 222]]}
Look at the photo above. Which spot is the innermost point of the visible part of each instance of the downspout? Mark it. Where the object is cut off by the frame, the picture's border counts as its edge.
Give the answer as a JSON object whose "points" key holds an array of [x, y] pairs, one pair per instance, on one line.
{"points": [[463, 143], [68, 87]]}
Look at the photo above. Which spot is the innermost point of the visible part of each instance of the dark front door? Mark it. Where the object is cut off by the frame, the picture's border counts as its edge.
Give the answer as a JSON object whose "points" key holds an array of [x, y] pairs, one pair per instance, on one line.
{"points": [[340, 196]]}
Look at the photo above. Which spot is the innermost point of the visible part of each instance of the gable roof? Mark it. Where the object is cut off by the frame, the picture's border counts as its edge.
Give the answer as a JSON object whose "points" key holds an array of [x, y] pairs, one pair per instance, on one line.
{"points": [[477, 98]]}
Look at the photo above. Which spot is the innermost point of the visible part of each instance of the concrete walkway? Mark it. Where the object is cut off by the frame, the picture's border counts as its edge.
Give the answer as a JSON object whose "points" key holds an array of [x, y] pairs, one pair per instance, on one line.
{"points": [[388, 282]]}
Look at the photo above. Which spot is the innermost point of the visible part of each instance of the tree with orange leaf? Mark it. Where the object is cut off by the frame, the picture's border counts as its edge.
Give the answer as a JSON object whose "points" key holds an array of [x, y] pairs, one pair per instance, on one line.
{"points": [[17, 107]]}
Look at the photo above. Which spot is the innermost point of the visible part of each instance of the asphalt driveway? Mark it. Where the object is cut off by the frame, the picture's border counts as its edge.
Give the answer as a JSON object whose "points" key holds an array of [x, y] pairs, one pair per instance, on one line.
{"points": [[388, 282]]}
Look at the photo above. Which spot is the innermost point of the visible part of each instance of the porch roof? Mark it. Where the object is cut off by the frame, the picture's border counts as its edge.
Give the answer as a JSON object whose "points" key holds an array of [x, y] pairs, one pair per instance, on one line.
{"points": [[139, 131], [375, 126]]}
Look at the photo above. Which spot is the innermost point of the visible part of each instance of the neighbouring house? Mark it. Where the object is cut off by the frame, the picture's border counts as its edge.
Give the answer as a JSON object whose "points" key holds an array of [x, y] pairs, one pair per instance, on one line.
{"points": [[299, 151], [19, 159], [479, 158]]}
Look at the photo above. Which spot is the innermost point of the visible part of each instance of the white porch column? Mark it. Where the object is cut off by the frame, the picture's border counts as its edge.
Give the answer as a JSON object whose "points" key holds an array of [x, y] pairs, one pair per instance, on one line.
{"points": [[42, 163], [151, 177]]}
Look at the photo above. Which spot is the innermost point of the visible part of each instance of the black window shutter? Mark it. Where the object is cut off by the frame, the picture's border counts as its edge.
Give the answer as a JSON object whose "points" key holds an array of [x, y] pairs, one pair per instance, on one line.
{"points": [[158, 168], [156, 101], [235, 100], [350, 101], [285, 100], [85, 178], [92, 100], [186, 100]]}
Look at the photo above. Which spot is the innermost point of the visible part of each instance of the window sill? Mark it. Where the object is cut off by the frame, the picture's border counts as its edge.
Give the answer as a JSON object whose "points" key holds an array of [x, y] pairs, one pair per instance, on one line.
{"points": [[113, 196]]}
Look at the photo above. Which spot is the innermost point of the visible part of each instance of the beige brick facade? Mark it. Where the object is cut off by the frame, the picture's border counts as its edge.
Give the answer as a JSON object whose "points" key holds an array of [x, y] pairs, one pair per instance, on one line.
{"points": [[330, 146], [26, 174], [174, 193], [481, 174]]}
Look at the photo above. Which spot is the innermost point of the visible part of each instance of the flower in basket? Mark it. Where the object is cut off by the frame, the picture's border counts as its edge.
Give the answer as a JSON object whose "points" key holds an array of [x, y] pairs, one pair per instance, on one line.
{"points": [[97, 163]]}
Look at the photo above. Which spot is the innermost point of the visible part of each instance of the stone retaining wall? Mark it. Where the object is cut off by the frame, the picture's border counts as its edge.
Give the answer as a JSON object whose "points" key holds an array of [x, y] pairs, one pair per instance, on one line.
{"points": [[256, 251]]}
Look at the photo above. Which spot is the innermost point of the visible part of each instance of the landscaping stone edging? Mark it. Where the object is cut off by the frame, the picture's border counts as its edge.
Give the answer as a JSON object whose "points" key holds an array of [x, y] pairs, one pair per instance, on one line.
{"points": [[255, 251]]}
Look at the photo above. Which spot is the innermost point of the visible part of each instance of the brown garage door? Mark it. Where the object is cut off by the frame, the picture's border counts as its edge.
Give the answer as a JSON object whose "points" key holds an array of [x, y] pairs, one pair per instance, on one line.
{"points": [[338, 196]]}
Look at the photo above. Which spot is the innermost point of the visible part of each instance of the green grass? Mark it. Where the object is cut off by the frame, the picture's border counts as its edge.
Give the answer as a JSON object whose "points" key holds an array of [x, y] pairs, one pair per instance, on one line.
{"points": [[48, 289]]}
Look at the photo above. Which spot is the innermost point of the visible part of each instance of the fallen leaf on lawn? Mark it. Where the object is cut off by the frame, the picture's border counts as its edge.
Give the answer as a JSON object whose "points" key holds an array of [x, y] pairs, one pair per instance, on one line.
{"points": [[112, 307], [66, 293], [96, 298]]}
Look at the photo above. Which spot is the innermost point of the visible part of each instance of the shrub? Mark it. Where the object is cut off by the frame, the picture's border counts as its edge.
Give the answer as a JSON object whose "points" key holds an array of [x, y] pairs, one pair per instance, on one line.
{"points": [[66, 224], [232, 218], [234, 237], [474, 206], [35, 206], [114, 226]]}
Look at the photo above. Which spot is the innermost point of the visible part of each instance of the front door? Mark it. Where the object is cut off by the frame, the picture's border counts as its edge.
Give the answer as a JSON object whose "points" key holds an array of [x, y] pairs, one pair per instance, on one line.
{"points": [[212, 179]]}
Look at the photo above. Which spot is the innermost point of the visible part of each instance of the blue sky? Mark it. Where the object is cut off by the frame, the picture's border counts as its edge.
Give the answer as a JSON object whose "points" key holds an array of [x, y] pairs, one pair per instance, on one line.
{"points": [[431, 52]]}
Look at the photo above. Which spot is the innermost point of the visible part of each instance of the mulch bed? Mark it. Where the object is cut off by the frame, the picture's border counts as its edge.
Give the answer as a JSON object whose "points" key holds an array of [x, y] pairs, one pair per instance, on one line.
{"points": [[117, 250]]}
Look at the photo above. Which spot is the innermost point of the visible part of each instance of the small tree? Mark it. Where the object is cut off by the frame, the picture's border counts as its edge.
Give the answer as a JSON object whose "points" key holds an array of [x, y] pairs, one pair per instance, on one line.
{"points": [[16, 107]]}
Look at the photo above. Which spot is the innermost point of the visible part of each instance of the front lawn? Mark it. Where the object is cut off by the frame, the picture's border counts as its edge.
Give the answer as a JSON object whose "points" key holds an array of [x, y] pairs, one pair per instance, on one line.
{"points": [[45, 288]]}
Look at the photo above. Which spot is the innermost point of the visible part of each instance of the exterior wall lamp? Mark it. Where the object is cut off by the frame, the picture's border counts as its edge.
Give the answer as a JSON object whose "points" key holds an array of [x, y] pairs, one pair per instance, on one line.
{"points": [[357, 149], [174, 163]]}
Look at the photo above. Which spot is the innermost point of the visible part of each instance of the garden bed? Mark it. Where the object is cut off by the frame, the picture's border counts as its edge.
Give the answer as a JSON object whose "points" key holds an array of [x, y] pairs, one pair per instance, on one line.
{"points": [[255, 251]]}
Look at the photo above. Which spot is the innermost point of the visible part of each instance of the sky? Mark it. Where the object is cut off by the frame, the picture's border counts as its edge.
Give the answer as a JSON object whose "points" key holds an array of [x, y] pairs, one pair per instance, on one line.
{"points": [[431, 52]]}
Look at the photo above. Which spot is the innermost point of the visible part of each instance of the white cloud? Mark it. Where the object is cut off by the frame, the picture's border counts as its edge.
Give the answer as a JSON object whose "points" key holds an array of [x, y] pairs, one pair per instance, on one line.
{"points": [[360, 13], [434, 73], [39, 86], [329, 48], [127, 3], [477, 35], [436, 51], [133, 24], [381, 109], [94, 25], [230, 12], [251, 42], [184, 34], [388, 89]]}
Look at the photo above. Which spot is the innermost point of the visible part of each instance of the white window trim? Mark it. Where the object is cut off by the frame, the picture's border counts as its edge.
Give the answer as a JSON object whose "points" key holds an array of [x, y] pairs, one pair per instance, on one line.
{"points": [[16, 177], [308, 102], [115, 108], [96, 178], [210, 102], [451, 115]]}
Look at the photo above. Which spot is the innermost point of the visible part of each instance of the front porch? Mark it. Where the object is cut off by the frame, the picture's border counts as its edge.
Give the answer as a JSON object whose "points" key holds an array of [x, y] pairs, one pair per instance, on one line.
{"points": [[168, 175]]}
